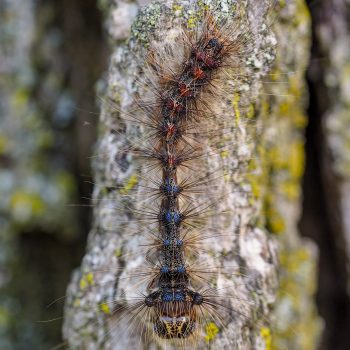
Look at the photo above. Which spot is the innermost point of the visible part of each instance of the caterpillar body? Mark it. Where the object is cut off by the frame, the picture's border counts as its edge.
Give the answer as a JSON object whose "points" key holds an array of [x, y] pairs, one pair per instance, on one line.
{"points": [[181, 153], [174, 302]]}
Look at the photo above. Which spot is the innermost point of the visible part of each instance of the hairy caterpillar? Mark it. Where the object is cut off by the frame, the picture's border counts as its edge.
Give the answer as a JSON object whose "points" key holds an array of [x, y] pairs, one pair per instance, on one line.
{"points": [[209, 142]]}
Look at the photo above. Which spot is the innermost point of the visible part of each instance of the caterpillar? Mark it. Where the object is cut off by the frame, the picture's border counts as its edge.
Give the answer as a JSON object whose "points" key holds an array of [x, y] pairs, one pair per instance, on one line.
{"points": [[174, 304], [177, 167]]}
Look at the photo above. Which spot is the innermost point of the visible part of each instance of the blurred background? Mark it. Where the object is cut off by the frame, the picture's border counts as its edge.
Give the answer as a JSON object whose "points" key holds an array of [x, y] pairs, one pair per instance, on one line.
{"points": [[53, 56]]}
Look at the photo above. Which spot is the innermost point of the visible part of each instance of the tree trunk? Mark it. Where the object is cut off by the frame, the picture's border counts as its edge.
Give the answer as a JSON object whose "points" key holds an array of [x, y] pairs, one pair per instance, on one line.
{"points": [[258, 211], [46, 70], [327, 178]]}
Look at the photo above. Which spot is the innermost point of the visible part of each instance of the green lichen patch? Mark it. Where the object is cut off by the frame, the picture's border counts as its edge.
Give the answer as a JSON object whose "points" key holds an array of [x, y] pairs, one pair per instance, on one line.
{"points": [[145, 23]]}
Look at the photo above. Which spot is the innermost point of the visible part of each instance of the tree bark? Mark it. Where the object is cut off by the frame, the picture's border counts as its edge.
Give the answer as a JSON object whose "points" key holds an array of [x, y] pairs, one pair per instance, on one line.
{"points": [[266, 158], [327, 185], [47, 71]]}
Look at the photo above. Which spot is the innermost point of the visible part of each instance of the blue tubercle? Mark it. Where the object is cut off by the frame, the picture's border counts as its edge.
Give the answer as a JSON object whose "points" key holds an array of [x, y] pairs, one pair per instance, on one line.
{"points": [[167, 297], [179, 296], [181, 269], [167, 242], [170, 187], [179, 242], [164, 269], [172, 217]]}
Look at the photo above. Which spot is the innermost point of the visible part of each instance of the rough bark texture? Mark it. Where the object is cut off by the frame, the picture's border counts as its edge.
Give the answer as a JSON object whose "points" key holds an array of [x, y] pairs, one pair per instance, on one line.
{"points": [[327, 178], [263, 208]]}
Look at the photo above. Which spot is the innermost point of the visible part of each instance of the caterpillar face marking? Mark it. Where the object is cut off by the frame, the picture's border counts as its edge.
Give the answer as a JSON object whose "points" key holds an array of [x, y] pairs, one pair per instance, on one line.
{"points": [[175, 315], [177, 327]]}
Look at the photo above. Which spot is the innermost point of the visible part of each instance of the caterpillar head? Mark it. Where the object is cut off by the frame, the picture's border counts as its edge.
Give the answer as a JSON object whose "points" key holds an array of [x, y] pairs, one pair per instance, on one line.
{"points": [[179, 327], [175, 315]]}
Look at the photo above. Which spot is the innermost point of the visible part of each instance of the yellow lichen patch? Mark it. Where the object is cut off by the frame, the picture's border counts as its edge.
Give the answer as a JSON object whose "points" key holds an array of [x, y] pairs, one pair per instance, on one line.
{"points": [[254, 185], [300, 119], [191, 22], [23, 205], [275, 75], [284, 108], [234, 7], [3, 144], [274, 220], [256, 180], [177, 8], [90, 278], [251, 112], [224, 154], [20, 98], [105, 308], [203, 6], [295, 88], [265, 109], [4, 316], [211, 330], [118, 252], [83, 284], [297, 286], [290, 189], [282, 3], [227, 176], [303, 13], [131, 183], [86, 280], [76, 302], [266, 335], [235, 105], [276, 223], [294, 259], [288, 109], [277, 160], [297, 160]]}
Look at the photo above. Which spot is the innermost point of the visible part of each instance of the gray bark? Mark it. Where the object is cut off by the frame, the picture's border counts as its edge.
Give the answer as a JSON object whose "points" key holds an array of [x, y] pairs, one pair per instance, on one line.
{"points": [[261, 205]]}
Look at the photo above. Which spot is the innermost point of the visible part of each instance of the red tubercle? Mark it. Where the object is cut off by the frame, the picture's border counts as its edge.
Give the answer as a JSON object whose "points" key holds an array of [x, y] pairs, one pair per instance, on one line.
{"points": [[206, 59], [185, 90], [171, 130], [201, 56], [171, 160], [174, 105], [198, 73], [171, 104]]}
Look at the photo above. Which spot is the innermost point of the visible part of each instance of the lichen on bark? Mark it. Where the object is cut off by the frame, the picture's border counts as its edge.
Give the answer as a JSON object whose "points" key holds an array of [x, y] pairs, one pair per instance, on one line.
{"points": [[261, 205]]}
